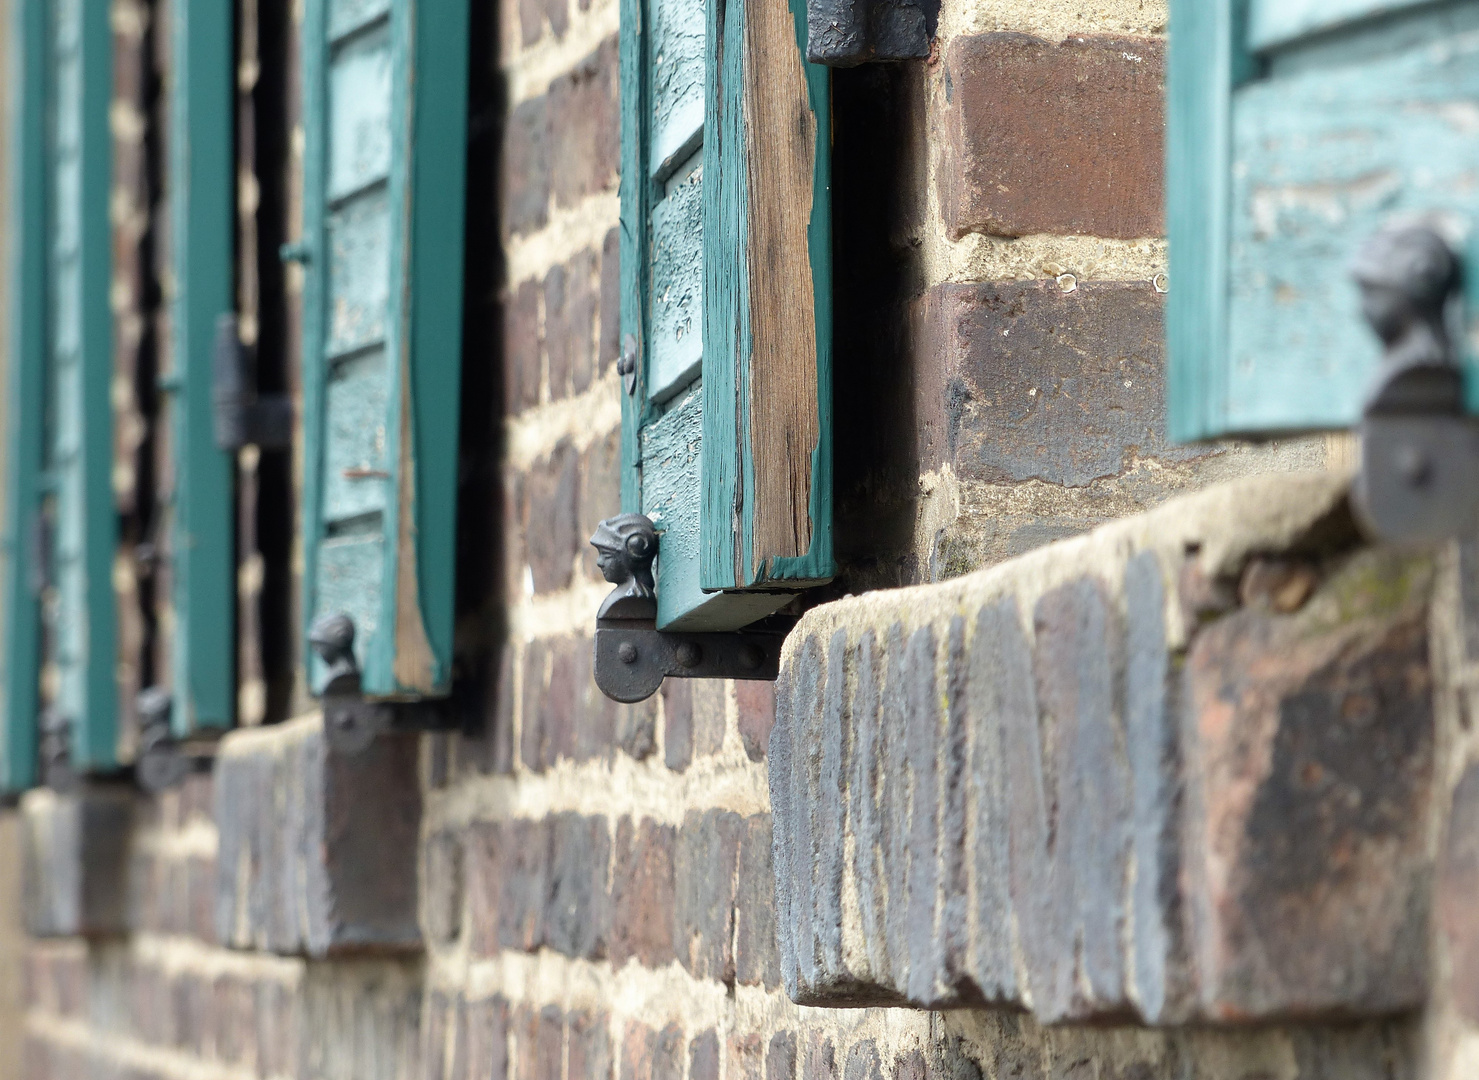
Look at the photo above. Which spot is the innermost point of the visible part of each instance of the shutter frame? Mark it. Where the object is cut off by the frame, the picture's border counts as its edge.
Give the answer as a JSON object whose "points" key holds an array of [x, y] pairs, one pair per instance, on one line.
{"points": [[27, 291], [202, 534], [407, 652]]}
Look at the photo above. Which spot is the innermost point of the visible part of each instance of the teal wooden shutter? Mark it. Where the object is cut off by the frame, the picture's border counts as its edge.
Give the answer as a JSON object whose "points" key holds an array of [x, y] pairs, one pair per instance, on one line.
{"points": [[201, 190], [1296, 130], [79, 611], [20, 619], [386, 123], [726, 300]]}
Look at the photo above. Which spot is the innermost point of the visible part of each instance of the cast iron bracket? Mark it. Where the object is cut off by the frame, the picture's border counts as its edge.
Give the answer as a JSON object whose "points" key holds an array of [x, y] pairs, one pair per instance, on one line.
{"points": [[1419, 475], [350, 721], [845, 33], [161, 763], [633, 657]]}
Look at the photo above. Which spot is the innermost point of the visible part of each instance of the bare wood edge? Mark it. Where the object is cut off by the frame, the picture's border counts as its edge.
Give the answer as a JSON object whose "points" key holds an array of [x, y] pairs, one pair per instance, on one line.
{"points": [[414, 664], [780, 158]]}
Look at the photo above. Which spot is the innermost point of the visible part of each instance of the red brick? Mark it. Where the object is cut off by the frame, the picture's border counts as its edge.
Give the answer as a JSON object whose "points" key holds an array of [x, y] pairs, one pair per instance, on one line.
{"points": [[1044, 137], [677, 710], [552, 490], [523, 345], [525, 190], [590, 1047], [756, 701], [600, 493], [1458, 885], [642, 893], [570, 303], [1309, 767], [585, 127]]}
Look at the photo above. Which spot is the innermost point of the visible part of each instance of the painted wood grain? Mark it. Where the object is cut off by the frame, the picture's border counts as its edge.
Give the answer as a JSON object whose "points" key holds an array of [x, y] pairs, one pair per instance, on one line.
{"points": [[1279, 22], [26, 241], [677, 79], [676, 336]]}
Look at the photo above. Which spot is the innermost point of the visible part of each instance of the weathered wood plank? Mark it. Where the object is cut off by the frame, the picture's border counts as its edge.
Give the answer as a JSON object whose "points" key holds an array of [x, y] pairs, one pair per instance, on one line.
{"points": [[768, 333], [1273, 23], [677, 116], [676, 339]]}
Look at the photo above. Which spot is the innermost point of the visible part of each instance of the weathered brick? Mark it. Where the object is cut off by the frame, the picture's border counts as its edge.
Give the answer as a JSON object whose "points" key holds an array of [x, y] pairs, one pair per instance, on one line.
{"points": [[677, 710], [706, 868], [1309, 735], [584, 127], [533, 739], [441, 902], [578, 907], [600, 493], [710, 701], [642, 893], [540, 1034], [487, 1053], [667, 1054], [552, 488], [1458, 884], [535, 14], [317, 851], [1037, 384], [862, 1062], [909, 1066], [526, 168], [75, 850], [757, 958], [926, 964], [570, 324], [1047, 137], [746, 1057], [508, 882], [561, 719], [780, 1058], [820, 1059], [756, 701], [609, 344], [703, 1056], [590, 1047], [637, 1046], [636, 728]]}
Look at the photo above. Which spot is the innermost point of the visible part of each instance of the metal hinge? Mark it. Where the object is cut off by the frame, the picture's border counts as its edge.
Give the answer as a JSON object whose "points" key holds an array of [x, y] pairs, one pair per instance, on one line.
{"points": [[845, 33], [244, 417], [633, 657], [350, 721], [1419, 474]]}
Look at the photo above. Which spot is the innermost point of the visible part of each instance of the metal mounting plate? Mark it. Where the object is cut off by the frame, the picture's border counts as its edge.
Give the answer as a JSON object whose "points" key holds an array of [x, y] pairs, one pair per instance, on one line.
{"points": [[633, 657]]}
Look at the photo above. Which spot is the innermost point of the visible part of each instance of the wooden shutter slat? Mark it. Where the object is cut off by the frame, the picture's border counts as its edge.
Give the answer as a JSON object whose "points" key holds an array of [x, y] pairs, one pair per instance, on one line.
{"points": [[382, 328], [1273, 23], [203, 578]]}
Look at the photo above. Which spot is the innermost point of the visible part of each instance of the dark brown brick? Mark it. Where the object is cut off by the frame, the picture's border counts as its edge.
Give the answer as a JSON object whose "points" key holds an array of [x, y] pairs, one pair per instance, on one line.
{"points": [[757, 956], [642, 893], [516, 870], [609, 345], [570, 324], [578, 911], [1044, 137], [585, 126], [703, 1056], [600, 493], [487, 1048], [1309, 776], [526, 169], [552, 489], [441, 901], [636, 728], [780, 1058], [523, 348], [756, 702], [707, 871], [1037, 384], [590, 1047], [533, 739], [820, 1061]]}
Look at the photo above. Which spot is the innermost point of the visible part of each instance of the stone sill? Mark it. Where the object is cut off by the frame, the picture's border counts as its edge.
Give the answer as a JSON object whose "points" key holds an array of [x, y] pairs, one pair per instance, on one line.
{"points": [[1178, 770]]}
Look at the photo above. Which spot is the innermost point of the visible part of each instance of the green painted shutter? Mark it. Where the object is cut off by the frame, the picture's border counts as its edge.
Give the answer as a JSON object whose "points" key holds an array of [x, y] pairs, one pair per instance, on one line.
{"points": [[1296, 130], [201, 187], [79, 610], [385, 107], [20, 620], [726, 266]]}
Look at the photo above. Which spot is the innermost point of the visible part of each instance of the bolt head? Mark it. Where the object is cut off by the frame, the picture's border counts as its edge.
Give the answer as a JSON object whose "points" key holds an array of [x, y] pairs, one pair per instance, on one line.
{"points": [[1414, 466], [750, 657], [689, 654], [626, 652]]}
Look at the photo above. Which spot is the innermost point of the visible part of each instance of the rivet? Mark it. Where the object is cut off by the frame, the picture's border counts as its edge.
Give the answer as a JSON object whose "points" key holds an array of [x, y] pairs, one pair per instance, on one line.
{"points": [[689, 654], [626, 652], [750, 657], [1414, 466]]}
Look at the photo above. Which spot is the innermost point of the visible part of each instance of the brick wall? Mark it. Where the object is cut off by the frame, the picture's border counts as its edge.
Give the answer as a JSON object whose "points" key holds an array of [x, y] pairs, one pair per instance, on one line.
{"points": [[573, 889]]}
